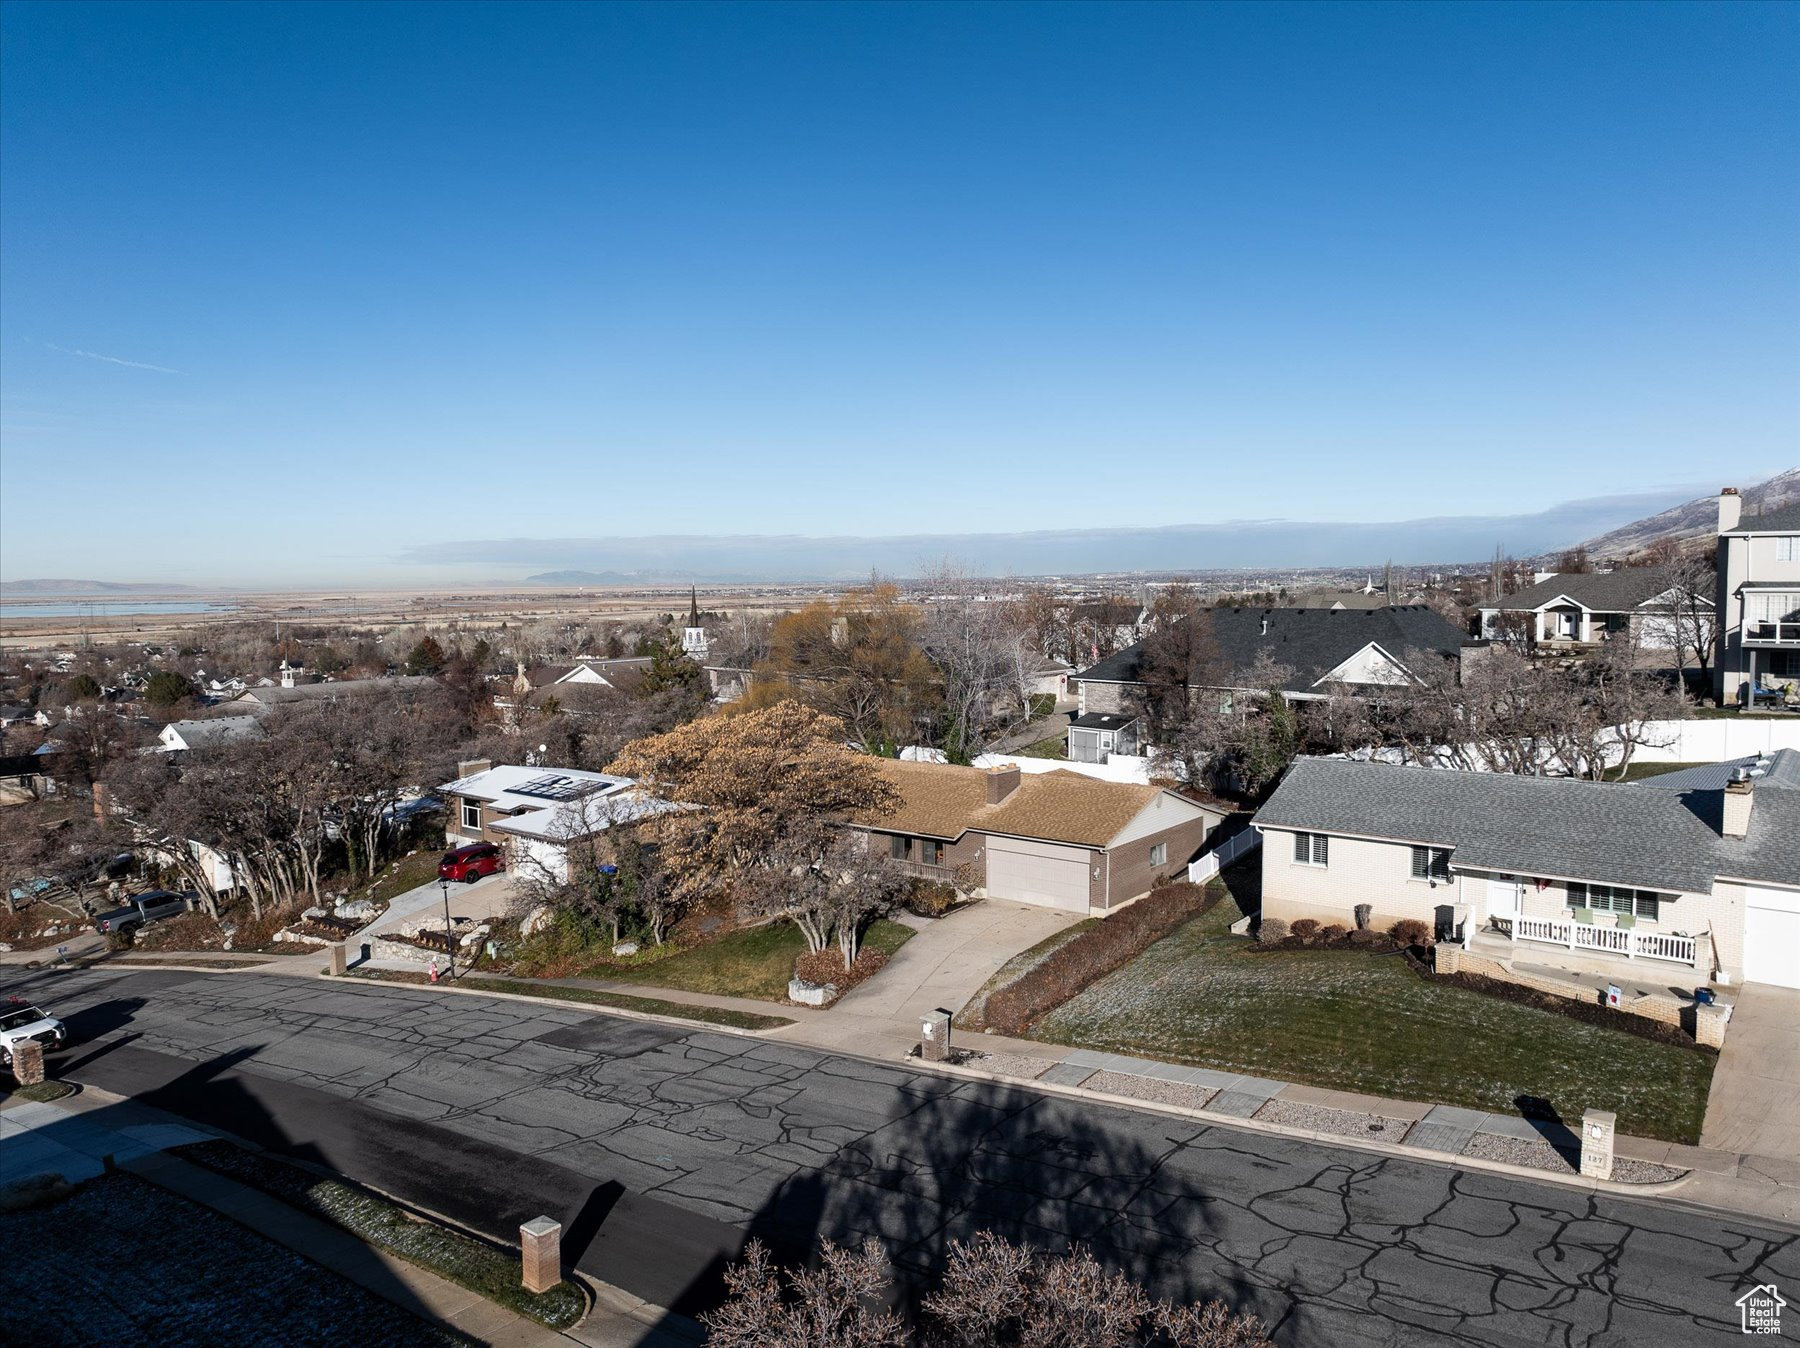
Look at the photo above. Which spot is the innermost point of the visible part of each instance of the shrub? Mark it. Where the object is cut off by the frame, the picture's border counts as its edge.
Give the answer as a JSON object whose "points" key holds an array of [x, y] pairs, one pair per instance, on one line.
{"points": [[1363, 936], [1094, 954], [1410, 931], [1306, 929], [827, 966], [930, 899], [1271, 930], [968, 877], [1335, 932]]}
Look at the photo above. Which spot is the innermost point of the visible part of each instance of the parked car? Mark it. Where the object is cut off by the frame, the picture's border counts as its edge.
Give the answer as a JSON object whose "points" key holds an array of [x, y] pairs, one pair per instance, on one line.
{"points": [[20, 1021], [151, 906], [470, 863]]}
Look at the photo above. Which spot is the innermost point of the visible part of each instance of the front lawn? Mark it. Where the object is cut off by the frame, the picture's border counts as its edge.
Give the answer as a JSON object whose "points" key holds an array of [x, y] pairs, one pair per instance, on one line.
{"points": [[1357, 1022], [757, 962]]}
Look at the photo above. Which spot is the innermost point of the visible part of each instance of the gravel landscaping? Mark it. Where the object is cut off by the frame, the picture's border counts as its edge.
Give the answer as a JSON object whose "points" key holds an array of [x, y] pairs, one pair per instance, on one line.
{"points": [[1149, 1088], [119, 1261], [1338, 1122], [1009, 1064], [1540, 1155]]}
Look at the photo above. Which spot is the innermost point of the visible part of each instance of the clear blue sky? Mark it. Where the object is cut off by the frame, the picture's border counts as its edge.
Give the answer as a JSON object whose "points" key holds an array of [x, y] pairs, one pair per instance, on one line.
{"points": [[290, 289]]}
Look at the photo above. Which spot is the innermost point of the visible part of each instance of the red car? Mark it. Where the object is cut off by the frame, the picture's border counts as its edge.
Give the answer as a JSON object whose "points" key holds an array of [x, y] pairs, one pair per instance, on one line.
{"points": [[472, 862]]}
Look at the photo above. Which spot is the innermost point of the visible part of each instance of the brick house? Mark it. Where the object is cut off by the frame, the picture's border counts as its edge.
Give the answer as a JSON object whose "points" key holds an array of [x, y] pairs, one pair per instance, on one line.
{"points": [[1698, 868], [1055, 838]]}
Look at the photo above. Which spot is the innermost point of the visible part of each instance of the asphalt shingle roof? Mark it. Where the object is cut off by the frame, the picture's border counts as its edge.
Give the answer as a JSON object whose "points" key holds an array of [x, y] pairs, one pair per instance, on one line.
{"points": [[1618, 591], [1310, 641], [941, 800], [1557, 827], [1770, 851]]}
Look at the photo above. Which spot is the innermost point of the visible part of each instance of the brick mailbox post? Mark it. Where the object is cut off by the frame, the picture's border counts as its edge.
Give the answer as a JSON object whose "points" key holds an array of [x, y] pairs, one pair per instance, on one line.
{"points": [[28, 1062], [540, 1242], [1597, 1127], [934, 1037], [339, 962]]}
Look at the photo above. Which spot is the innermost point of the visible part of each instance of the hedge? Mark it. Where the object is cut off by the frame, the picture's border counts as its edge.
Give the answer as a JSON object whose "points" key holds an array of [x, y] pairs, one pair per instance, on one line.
{"points": [[1094, 954]]}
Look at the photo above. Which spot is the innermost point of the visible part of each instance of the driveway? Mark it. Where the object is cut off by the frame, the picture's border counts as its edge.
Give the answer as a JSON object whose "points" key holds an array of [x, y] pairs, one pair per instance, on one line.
{"points": [[943, 966], [1754, 1105], [489, 897]]}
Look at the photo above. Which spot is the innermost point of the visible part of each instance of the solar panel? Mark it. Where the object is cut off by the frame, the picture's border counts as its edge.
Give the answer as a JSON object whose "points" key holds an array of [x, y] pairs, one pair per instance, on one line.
{"points": [[555, 786]]}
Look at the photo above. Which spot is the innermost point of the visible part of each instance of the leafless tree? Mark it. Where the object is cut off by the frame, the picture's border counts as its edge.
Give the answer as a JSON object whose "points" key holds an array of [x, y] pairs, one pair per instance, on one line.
{"points": [[974, 641], [829, 884]]}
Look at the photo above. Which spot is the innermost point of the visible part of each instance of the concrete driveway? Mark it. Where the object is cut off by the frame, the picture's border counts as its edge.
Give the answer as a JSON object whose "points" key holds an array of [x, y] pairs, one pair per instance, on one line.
{"points": [[488, 897], [1754, 1106], [943, 966]]}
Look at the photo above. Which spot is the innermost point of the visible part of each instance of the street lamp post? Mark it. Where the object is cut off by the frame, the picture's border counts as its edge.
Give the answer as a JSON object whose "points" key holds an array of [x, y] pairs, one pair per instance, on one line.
{"points": [[449, 936]]}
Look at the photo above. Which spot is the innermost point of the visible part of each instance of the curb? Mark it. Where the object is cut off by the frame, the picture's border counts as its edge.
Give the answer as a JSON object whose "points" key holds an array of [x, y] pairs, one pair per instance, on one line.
{"points": [[1454, 1161]]}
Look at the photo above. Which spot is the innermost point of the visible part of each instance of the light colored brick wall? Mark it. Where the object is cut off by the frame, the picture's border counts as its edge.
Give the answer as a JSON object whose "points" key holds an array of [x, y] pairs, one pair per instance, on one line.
{"points": [[1452, 959], [1360, 871], [1103, 697], [1720, 913]]}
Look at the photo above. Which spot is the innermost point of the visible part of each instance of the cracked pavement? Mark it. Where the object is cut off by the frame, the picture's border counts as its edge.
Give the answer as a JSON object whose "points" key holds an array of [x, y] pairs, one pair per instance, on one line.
{"points": [[1331, 1247]]}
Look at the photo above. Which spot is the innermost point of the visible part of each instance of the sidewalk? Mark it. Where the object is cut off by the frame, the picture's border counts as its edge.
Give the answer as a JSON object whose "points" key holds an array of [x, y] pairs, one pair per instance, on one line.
{"points": [[73, 1136]]}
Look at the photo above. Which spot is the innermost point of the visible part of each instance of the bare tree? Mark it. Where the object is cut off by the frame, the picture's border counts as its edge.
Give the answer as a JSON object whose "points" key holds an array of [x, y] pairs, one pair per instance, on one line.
{"points": [[829, 884], [974, 643], [1693, 622]]}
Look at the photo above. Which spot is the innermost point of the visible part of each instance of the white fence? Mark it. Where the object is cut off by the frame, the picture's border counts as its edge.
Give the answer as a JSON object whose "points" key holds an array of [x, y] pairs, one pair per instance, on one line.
{"points": [[1117, 768], [1203, 868], [1713, 740]]}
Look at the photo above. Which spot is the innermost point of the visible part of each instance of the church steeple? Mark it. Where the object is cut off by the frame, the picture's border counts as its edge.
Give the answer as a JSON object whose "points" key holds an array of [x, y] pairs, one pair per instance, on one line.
{"points": [[693, 641]]}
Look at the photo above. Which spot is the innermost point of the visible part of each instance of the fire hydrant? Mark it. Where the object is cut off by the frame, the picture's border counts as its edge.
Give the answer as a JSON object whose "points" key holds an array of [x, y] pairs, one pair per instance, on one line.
{"points": [[434, 971]]}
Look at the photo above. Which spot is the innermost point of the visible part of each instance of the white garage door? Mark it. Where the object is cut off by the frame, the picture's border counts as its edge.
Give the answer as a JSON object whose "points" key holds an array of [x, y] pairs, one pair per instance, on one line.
{"points": [[1034, 872], [1772, 937]]}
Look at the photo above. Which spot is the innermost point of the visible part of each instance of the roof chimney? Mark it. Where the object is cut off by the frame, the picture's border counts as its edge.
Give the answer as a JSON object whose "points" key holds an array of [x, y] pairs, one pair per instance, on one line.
{"points": [[470, 766], [1002, 782], [1731, 509], [1740, 796]]}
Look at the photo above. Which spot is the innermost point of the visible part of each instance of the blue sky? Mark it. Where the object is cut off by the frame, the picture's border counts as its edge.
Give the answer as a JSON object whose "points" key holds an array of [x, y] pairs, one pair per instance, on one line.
{"points": [[296, 293]]}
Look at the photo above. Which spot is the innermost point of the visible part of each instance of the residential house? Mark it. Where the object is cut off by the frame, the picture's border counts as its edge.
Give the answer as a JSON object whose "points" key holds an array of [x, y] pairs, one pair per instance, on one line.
{"points": [[1698, 869], [260, 701], [180, 737], [15, 715], [1758, 601], [1098, 735], [1568, 614], [1056, 839], [536, 813], [1359, 649]]}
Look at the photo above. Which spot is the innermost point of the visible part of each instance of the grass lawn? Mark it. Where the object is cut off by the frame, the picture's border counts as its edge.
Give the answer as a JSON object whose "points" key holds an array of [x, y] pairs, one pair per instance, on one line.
{"points": [[1357, 1022], [398, 877], [973, 1016], [1638, 771], [1055, 747], [753, 963]]}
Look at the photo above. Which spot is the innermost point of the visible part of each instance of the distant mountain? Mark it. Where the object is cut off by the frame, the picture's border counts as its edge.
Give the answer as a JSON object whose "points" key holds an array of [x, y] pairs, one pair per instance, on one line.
{"points": [[1448, 539], [1696, 519], [21, 589]]}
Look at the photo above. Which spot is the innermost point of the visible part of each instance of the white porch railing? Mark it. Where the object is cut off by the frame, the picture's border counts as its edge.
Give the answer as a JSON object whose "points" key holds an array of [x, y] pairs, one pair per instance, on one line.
{"points": [[1610, 940]]}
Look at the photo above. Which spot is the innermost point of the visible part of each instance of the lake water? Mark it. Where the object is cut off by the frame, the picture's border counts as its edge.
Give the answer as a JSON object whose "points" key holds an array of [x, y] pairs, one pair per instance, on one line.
{"points": [[105, 608]]}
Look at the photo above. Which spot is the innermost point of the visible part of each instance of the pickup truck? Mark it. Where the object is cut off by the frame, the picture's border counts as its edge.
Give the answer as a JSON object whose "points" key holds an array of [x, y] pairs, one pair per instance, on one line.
{"points": [[20, 1021], [152, 906]]}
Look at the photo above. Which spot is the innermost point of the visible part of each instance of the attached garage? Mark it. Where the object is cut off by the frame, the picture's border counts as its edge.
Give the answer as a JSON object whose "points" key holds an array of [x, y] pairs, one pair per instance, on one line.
{"points": [[1772, 936], [1050, 874]]}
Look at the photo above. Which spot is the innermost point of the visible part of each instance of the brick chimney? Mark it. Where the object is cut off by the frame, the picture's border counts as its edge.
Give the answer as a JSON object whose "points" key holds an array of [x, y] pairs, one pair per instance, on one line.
{"points": [[1740, 796], [469, 767], [1001, 783], [1731, 509]]}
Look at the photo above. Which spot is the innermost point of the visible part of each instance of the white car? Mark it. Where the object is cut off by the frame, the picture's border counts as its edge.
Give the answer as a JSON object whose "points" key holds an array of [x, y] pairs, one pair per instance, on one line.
{"points": [[20, 1021]]}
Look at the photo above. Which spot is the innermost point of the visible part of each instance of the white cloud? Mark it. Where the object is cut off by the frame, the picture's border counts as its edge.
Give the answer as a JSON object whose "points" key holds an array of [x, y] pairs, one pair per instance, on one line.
{"points": [[113, 360]]}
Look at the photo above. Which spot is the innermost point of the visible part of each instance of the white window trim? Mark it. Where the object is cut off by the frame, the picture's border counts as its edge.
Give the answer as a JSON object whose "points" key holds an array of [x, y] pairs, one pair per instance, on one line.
{"points": [[1428, 878], [1312, 838], [1159, 854], [468, 807]]}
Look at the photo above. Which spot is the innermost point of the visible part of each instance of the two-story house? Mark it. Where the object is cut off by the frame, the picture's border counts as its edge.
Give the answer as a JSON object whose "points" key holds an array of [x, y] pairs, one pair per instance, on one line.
{"points": [[1758, 602]]}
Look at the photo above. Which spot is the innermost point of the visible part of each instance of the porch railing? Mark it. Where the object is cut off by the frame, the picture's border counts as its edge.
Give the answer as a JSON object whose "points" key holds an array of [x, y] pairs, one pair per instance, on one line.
{"points": [[1608, 940]]}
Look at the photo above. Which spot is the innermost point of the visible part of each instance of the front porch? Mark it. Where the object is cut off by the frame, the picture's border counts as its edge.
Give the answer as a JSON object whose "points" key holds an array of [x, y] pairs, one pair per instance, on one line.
{"points": [[1591, 938]]}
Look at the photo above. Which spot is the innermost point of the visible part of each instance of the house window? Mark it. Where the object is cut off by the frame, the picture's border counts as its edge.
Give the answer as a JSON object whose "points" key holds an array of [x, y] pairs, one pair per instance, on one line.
{"points": [[1431, 863], [897, 847], [931, 852], [1159, 854], [471, 815], [1312, 849], [1787, 548], [1642, 903]]}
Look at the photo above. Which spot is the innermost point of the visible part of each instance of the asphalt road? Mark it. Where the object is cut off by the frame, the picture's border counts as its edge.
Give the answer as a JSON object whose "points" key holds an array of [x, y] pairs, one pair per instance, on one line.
{"points": [[661, 1150]]}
